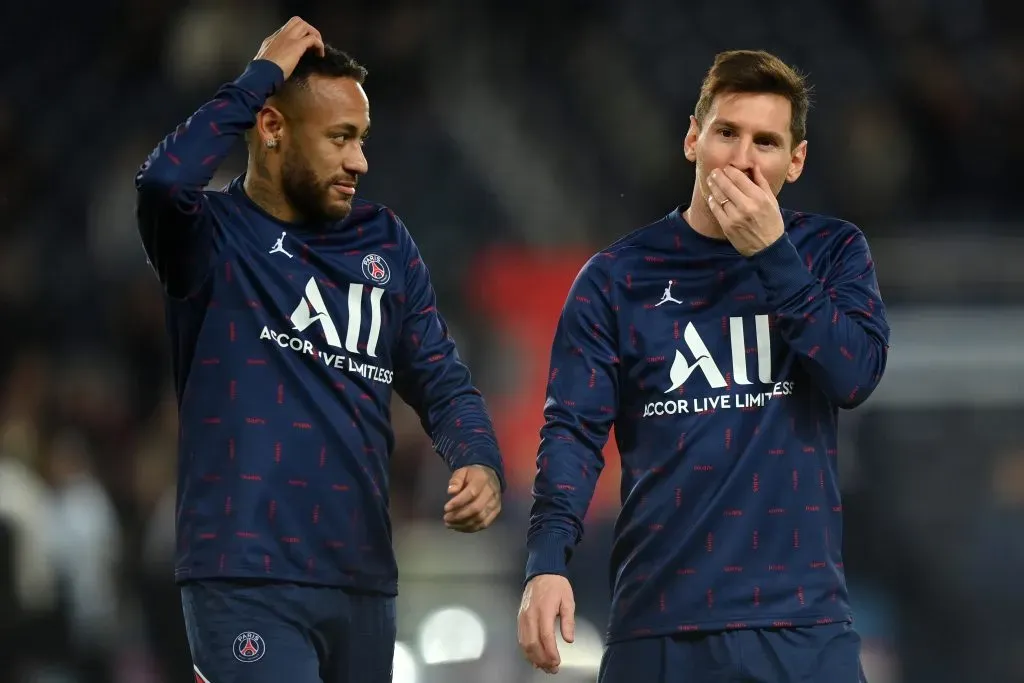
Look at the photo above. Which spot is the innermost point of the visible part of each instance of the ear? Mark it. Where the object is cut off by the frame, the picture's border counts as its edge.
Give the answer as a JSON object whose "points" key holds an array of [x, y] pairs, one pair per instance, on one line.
{"points": [[270, 125], [690, 141], [796, 162]]}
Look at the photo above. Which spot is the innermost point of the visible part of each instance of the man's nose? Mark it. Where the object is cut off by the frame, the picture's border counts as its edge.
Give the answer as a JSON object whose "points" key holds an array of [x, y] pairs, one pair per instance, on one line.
{"points": [[743, 157], [356, 162]]}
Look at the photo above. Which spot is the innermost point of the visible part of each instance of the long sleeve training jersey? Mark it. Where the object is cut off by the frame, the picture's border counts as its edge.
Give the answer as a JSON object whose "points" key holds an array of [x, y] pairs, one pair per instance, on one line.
{"points": [[287, 341], [723, 377]]}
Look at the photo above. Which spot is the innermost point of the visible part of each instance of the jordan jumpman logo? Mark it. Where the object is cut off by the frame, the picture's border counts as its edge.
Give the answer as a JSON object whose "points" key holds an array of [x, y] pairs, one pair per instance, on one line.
{"points": [[667, 295], [278, 247]]}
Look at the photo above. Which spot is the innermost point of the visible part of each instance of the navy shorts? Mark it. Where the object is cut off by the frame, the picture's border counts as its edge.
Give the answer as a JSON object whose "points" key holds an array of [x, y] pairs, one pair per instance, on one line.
{"points": [[267, 632], [814, 654]]}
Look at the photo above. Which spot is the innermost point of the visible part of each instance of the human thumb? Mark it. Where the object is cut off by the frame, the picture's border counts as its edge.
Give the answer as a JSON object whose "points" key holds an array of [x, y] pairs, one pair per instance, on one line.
{"points": [[457, 481], [567, 617]]}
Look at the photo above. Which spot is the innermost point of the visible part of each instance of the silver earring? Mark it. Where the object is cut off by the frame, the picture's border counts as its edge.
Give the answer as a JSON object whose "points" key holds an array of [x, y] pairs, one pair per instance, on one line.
{"points": [[271, 144]]}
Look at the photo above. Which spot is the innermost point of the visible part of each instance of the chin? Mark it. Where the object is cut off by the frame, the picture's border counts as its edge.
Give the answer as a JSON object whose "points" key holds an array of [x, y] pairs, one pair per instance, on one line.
{"points": [[339, 211], [336, 210]]}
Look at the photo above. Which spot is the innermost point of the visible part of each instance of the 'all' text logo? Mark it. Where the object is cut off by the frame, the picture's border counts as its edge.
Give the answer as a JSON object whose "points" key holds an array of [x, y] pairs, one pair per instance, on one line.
{"points": [[312, 310], [682, 369]]}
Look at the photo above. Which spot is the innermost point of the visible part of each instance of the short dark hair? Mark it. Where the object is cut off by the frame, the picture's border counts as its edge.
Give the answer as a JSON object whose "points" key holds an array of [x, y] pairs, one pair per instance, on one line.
{"points": [[334, 64], [756, 71]]}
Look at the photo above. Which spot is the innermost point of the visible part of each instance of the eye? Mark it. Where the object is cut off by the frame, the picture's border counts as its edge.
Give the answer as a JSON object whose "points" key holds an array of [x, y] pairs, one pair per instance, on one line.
{"points": [[342, 139], [727, 133]]}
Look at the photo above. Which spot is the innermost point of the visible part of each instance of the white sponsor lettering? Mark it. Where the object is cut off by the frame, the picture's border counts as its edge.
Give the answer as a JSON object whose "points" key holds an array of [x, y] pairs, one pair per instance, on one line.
{"points": [[312, 310], [682, 371]]}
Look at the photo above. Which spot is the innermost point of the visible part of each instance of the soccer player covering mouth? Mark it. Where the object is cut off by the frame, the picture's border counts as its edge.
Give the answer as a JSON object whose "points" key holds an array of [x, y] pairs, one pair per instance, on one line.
{"points": [[294, 309], [720, 341]]}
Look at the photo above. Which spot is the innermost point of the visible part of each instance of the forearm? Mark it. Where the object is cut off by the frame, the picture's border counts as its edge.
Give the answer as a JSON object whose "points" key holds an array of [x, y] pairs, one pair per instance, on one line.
{"points": [[567, 473], [839, 332], [577, 421], [461, 429], [184, 162]]}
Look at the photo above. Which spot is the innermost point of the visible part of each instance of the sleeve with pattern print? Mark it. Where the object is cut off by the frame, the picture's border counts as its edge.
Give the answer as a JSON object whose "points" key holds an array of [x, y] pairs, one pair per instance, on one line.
{"points": [[432, 378], [581, 405], [838, 326], [171, 205]]}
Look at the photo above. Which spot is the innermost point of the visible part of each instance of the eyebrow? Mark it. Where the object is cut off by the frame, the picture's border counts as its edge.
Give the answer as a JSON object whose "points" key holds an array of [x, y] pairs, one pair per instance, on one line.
{"points": [[348, 129], [761, 133]]}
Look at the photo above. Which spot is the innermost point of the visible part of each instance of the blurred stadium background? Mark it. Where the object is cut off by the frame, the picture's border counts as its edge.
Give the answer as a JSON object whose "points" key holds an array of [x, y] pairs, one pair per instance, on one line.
{"points": [[515, 139]]}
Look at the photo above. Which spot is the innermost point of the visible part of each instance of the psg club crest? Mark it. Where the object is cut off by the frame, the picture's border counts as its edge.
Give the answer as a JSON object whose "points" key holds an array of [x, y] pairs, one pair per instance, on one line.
{"points": [[376, 269], [249, 647]]}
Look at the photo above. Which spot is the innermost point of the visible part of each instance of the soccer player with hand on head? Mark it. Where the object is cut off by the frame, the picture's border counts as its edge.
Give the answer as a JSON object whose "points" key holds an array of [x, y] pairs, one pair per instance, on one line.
{"points": [[724, 389], [294, 309]]}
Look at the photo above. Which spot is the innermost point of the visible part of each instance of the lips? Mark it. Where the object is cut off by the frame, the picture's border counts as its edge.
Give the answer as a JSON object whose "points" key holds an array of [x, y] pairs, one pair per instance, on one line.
{"points": [[348, 189]]}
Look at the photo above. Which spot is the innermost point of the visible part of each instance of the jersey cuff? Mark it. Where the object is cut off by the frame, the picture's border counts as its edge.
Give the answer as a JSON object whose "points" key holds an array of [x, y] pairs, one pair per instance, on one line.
{"points": [[262, 78], [549, 553], [781, 272], [490, 459]]}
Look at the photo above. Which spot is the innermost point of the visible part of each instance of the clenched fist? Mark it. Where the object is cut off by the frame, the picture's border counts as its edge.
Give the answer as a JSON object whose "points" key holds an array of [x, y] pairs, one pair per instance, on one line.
{"points": [[475, 499], [287, 44]]}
